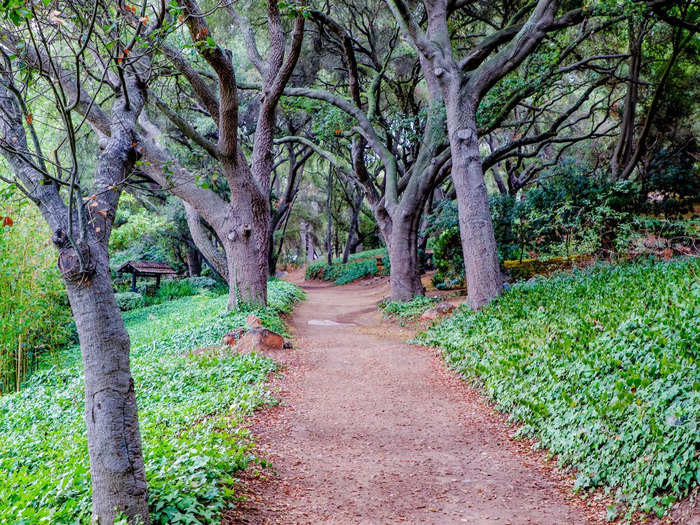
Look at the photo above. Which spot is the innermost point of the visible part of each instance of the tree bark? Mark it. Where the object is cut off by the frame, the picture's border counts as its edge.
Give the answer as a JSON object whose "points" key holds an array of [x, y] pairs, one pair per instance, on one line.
{"points": [[194, 261], [625, 142], [402, 245], [200, 236], [114, 442], [353, 232], [483, 275], [245, 237], [329, 243]]}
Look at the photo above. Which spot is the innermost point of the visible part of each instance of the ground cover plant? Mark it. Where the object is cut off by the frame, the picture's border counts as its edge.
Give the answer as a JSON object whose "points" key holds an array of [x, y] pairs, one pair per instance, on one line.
{"points": [[190, 412], [601, 367], [409, 310], [359, 265]]}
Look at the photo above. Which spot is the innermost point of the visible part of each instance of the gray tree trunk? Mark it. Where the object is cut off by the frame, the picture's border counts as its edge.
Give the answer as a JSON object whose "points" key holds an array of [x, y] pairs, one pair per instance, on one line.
{"points": [[114, 442], [354, 231], [402, 245], [245, 239], [483, 275]]}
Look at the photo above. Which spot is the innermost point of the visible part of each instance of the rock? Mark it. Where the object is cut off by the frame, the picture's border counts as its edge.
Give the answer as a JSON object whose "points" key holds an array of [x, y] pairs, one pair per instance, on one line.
{"points": [[254, 321], [260, 339], [231, 338], [429, 315], [444, 308], [436, 311]]}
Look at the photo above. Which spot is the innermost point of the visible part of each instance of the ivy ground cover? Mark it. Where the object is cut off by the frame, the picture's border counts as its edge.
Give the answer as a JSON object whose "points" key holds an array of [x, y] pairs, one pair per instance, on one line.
{"points": [[190, 410], [601, 367]]}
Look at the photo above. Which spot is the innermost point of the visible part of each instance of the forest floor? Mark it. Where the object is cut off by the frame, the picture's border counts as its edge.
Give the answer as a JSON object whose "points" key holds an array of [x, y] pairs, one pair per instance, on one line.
{"points": [[370, 429]]}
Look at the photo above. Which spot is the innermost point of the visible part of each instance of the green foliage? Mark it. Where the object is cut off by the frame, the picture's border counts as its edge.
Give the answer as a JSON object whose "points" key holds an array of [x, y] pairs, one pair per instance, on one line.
{"points": [[448, 259], [407, 310], [129, 300], [204, 283], [174, 289], [33, 304], [673, 177], [569, 212], [601, 366], [361, 264], [133, 225], [190, 413]]}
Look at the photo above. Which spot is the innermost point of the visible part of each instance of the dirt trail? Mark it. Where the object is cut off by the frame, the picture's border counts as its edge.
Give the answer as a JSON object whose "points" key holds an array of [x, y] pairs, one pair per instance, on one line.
{"points": [[373, 430]]}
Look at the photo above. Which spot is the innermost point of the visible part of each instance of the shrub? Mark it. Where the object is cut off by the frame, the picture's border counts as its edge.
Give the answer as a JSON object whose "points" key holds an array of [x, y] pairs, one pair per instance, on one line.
{"points": [[448, 260], [359, 265], [175, 289], [33, 304], [129, 300], [527, 268], [599, 365], [206, 283]]}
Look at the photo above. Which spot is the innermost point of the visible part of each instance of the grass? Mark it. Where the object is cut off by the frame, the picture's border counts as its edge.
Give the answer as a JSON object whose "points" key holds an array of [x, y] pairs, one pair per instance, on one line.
{"points": [[361, 264], [190, 412], [601, 367]]}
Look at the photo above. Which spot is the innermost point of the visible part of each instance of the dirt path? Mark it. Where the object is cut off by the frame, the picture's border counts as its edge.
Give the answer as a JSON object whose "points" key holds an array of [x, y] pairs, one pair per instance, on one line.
{"points": [[372, 430]]}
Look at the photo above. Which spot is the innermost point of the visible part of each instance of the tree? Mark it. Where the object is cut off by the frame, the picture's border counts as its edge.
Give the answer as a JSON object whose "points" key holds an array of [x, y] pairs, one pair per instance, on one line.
{"points": [[243, 223], [398, 147], [512, 34], [80, 212]]}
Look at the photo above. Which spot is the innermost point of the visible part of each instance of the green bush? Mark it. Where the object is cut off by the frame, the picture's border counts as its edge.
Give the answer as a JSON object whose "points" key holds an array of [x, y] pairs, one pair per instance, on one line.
{"points": [[448, 260], [362, 264], [601, 366], [205, 283], [35, 319], [129, 300], [191, 411], [175, 289]]}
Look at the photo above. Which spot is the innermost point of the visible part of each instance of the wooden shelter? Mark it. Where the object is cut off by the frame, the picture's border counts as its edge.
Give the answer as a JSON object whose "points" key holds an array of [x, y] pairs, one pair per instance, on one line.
{"points": [[146, 269]]}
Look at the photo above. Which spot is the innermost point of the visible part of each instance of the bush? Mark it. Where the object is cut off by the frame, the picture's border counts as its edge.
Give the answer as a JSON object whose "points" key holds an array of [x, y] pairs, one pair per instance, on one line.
{"points": [[527, 268], [191, 414], [601, 367], [129, 300], [205, 283], [175, 289], [448, 260], [359, 265], [34, 307]]}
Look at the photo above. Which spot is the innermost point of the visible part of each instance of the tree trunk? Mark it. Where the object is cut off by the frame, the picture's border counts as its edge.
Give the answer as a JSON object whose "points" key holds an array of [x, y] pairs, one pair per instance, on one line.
{"points": [[114, 442], [244, 235], [214, 257], [402, 245], [625, 142], [329, 237], [483, 275], [194, 261], [353, 232]]}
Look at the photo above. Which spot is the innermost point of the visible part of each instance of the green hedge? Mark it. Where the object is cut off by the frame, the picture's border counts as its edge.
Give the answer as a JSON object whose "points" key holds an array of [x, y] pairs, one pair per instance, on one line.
{"points": [[601, 366], [362, 264]]}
